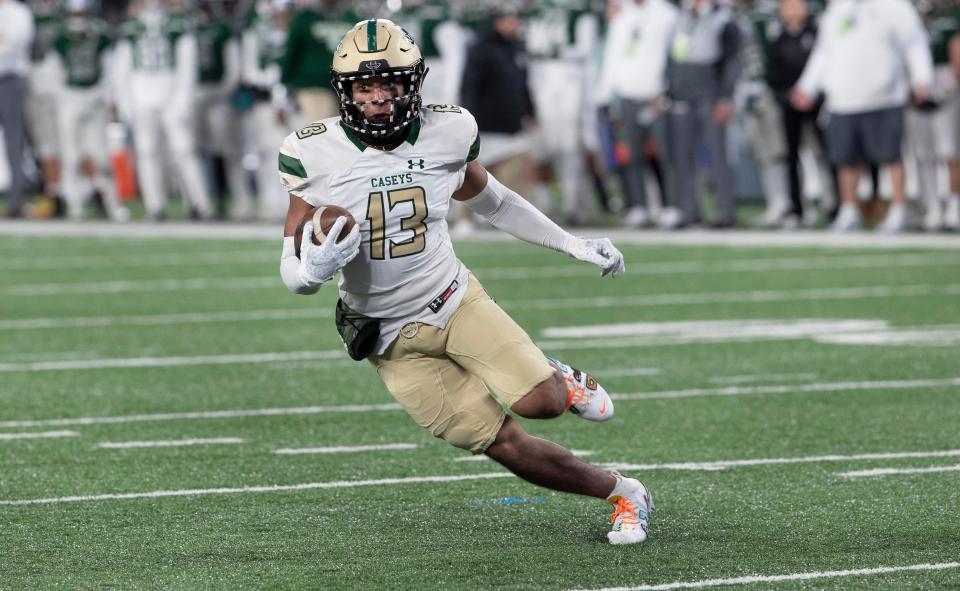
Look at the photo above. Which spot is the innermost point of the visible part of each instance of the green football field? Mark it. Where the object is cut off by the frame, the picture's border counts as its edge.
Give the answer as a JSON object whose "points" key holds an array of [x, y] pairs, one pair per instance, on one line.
{"points": [[171, 417]]}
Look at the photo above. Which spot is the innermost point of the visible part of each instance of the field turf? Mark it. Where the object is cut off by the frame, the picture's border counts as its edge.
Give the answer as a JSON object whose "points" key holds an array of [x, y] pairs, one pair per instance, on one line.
{"points": [[116, 353]]}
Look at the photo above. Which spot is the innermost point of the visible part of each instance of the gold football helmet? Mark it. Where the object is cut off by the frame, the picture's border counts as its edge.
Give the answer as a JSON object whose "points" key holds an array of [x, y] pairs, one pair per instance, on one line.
{"points": [[378, 48]]}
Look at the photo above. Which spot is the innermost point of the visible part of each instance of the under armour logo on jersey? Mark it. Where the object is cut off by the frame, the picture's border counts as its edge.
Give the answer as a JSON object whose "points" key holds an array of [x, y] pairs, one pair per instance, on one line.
{"points": [[412, 163]]}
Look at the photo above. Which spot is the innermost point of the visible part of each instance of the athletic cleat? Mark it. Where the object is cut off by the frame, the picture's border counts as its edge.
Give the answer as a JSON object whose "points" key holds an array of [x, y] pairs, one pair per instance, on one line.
{"points": [[631, 511], [951, 215], [585, 397], [896, 220], [848, 219], [933, 220]]}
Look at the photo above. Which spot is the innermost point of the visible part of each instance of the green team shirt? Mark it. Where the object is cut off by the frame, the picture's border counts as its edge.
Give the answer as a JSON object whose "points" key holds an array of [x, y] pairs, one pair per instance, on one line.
{"points": [[81, 45], [941, 27], [764, 25], [212, 38], [46, 29], [308, 54], [421, 23], [271, 41], [551, 27], [154, 48]]}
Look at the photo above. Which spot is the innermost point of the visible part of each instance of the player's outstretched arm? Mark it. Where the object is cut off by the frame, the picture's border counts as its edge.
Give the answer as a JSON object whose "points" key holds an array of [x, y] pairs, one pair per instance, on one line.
{"points": [[317, 264], [513, 214]]}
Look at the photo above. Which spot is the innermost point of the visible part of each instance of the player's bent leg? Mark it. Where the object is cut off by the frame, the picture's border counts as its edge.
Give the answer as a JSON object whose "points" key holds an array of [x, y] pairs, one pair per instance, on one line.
{"points": [[547, 400], [584, 396], [547, 464]]}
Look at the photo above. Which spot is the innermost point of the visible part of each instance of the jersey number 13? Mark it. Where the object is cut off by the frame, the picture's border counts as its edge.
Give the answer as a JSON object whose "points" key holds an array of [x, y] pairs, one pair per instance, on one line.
{"points": [[377, 212]]}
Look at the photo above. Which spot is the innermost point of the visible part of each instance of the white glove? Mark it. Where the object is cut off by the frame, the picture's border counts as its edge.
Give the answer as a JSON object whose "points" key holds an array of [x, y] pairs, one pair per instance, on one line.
{"points": [[601, 252], [318, 264]]}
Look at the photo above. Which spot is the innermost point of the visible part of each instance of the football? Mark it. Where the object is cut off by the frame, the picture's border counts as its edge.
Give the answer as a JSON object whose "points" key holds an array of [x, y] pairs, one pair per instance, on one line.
{"points": [[323, 218]]}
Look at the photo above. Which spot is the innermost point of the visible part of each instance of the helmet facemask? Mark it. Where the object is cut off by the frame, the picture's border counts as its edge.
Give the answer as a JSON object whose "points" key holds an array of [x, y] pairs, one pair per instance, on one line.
{"points": [[404, 109]]}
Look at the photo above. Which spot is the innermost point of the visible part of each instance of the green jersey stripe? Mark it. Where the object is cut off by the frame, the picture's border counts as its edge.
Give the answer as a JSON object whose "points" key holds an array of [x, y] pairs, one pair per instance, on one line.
{"points": [[292, 166], [474, 150]]}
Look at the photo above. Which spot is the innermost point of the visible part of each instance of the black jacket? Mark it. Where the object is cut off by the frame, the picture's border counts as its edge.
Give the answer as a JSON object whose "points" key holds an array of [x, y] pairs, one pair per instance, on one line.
{"points": [[787, 55], [494, 86]]}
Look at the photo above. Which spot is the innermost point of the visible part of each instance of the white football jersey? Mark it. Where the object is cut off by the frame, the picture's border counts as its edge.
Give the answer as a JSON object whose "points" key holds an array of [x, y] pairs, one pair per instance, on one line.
{"points": [[400, 199]]}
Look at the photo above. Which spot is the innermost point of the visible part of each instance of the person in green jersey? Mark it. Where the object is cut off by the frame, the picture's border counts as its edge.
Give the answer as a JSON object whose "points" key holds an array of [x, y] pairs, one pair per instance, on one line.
{"points": [[80, 52], [40, 106], [271, 117], [154, 80], [218, 61], [313, 35]]}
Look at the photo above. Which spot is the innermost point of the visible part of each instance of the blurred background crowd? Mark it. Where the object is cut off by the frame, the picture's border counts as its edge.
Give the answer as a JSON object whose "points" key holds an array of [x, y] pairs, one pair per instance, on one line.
{"points": [[640, 113]]}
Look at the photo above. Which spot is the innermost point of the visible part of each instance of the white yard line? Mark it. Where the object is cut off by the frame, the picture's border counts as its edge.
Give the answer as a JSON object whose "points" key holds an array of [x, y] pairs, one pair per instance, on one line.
{"points": [[143, 285], [627, 371], [346, 449], [164, 319], [508, 273], [725, 464], [792, 389], [266, 256], [43, 435], [771, 377], [699, 267], [173, 259], [202, 415], [170, 443], [141, 230], [893, 471], [256, 489], [747, 580], [733, 297], [636, 301], [580, 453], [128, 362], [361, 408], [750, 328]]}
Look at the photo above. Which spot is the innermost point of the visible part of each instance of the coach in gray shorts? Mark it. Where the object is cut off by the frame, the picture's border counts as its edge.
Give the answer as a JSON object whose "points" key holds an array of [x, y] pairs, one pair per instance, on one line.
{"points": [[874, 137], [870, 57]]}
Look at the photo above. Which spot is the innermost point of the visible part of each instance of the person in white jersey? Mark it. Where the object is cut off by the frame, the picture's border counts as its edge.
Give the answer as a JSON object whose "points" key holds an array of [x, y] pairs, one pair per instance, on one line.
{"points": [[445, 350]]}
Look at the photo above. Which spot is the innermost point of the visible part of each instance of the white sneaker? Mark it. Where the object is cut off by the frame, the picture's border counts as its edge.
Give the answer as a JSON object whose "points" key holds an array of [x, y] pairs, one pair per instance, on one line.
{"points": [[670, 218], [771, 218], [951, 217], [896, 220], [631, 511], [933, 220], [848, 219], [636, 217], [585, 397], [791, 222]]}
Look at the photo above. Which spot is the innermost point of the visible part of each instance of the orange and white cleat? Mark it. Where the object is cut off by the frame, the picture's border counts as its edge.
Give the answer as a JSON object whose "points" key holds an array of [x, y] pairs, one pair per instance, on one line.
{"points": [[632, 506], [585, 397]]}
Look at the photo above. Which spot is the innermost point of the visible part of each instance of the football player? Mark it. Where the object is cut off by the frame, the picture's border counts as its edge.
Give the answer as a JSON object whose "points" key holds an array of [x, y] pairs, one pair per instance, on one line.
{"points": [[154, 79], [218, 58], [445, 350], [80, 57], [40, 106], [269, 120]]}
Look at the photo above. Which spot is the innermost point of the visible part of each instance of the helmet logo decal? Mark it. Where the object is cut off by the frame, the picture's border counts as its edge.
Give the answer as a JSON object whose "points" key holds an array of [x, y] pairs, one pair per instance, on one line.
{"points": [[372, 65]]}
